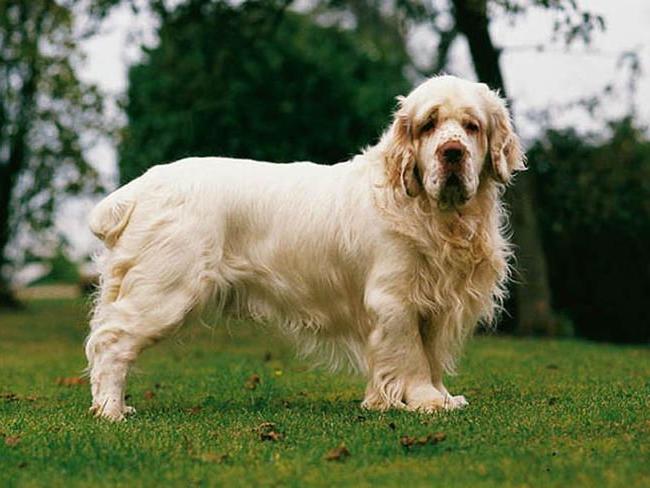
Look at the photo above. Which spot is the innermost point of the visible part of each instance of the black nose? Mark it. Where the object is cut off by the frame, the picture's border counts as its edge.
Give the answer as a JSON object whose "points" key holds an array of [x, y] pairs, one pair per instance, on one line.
{"points": [[453, 155]]}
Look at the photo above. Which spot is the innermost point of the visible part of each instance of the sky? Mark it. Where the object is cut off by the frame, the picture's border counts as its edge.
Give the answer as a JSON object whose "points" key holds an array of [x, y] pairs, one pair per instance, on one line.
{"points": [[535, 79]]}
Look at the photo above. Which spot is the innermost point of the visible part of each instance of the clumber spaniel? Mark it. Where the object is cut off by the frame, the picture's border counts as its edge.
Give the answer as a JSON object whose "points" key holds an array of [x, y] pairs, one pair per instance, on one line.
{"points": [[386, 262]]}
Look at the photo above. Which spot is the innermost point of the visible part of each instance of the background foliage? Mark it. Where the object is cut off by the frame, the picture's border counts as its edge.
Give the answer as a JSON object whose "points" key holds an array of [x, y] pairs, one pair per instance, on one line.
{"points": [[259, 81], [48, 116], [593, 196], [256, 81]]}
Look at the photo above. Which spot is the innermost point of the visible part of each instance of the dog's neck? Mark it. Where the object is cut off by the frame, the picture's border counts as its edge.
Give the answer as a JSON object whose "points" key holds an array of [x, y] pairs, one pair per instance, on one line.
{"points": [[483, 214], [420, 220]]}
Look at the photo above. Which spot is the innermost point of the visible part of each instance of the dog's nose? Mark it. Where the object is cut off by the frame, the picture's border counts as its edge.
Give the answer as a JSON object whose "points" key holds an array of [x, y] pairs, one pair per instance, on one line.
{"points": [[452, 152]]}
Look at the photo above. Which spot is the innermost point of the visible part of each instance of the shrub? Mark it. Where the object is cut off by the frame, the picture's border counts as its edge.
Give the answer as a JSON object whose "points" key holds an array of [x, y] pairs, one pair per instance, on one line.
{"points": [[593, 199]]}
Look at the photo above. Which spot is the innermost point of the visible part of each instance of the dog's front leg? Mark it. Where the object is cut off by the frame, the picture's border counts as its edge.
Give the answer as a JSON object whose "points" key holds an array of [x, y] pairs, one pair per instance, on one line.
{"points": [[451, 401], [429, 339], [400, 375]]}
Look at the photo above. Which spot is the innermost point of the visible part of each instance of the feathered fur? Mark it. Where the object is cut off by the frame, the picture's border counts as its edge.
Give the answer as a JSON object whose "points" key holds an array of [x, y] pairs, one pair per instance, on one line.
{"points": [[356, 262]]}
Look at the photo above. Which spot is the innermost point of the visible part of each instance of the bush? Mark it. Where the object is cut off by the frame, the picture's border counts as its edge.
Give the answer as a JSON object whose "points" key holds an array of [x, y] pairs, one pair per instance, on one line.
{"points": [[62, 270], [258, 82], [593, 200]]}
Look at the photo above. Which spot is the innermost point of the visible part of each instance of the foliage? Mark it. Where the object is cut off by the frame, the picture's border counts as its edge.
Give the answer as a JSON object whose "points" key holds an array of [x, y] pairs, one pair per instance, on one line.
{"points": [[593, 198], [48, 116], [571, 22], [62, 270], [256, 81], [542, 413]]}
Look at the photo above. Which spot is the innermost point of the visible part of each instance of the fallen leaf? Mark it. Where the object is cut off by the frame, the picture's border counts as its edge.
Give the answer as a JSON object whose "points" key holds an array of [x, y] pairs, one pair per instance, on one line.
{"points": [[338, 453], [252, 382], [267, 432], [194, 410], [271, 436], [148, 394], [72, 381], [12, 397], [12, 440], [408, 441], [277, 372]]}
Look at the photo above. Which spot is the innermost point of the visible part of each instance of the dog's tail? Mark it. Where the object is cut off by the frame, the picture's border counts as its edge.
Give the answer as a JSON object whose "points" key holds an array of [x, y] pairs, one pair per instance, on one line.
{"points": [[110, 217]]}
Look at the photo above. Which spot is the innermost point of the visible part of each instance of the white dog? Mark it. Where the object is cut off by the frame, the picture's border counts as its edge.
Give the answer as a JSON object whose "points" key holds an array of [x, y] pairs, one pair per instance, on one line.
{"points": [[386, 262]]}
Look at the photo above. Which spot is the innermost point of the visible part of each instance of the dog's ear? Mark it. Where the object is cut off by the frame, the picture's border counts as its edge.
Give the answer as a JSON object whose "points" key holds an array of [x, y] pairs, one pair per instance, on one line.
{"points": [[401, 162], [504, 150]]}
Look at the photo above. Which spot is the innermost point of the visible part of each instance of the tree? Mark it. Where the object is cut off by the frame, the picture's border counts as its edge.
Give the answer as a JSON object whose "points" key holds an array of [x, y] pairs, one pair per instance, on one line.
{"points": [[218, 127], [47, 116], [534, 310], [532, 294], [471, 19], [256, 81]]}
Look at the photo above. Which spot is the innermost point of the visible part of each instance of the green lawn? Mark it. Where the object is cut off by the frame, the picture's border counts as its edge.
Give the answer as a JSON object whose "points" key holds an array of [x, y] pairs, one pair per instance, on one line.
{"points": [[542, 413]]}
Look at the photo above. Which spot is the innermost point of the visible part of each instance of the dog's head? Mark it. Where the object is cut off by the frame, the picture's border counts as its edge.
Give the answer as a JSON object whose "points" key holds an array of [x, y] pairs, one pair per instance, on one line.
{"points": [[444, 133]]}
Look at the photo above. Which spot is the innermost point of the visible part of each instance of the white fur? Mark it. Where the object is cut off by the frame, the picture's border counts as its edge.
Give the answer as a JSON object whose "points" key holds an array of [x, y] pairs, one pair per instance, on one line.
{"points": [[348, 265]]}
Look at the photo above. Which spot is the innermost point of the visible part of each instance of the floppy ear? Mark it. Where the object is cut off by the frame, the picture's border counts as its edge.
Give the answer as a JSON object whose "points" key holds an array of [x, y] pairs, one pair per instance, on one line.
{"points": [[400, 157], [505, 150]]}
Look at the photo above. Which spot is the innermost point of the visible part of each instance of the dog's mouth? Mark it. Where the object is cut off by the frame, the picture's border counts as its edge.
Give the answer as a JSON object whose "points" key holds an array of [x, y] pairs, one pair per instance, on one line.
{"points": [[453, 193]]}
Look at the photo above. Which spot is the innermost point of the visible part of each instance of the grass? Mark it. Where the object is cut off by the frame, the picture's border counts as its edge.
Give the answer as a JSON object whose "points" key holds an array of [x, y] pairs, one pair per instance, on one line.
{"points": [[542, 413]]}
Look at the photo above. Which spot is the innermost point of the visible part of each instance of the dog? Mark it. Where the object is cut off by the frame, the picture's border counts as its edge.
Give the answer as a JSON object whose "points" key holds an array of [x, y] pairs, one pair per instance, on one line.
{"points": [[386, 262]]}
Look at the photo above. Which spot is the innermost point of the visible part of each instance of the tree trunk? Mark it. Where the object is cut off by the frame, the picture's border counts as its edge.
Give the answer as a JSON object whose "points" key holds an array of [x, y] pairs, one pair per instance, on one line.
{"points": [[17, 151], [532, 292], [8, 174]]}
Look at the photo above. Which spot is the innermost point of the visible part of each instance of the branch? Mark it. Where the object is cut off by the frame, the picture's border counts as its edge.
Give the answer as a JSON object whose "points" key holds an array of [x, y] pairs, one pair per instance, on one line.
{"points": [[447, 38]]}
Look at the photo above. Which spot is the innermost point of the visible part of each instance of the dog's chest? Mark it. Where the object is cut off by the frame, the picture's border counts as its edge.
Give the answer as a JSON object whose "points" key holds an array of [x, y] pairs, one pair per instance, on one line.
{"points": [[461, 278]]}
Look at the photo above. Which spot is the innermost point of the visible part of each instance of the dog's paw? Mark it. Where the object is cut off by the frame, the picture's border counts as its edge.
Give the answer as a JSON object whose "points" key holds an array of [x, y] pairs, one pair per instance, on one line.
{"points": [[438, 404], [112, 411], [458, 401], [380, 405], [430, 405]]}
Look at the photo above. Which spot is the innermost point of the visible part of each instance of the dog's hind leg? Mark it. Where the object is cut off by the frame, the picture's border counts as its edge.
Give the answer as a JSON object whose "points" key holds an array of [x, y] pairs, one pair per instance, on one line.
{"points": [[149, 305]]}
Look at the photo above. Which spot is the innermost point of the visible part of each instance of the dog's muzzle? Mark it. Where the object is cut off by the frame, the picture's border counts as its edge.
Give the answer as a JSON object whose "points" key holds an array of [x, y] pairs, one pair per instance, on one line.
{"points": [[452, 157]]}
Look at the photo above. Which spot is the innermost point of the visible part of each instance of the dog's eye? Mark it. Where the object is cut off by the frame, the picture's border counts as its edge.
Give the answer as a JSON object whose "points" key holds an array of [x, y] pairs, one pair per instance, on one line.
{"points": [[472, 127], [429, 125]]}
